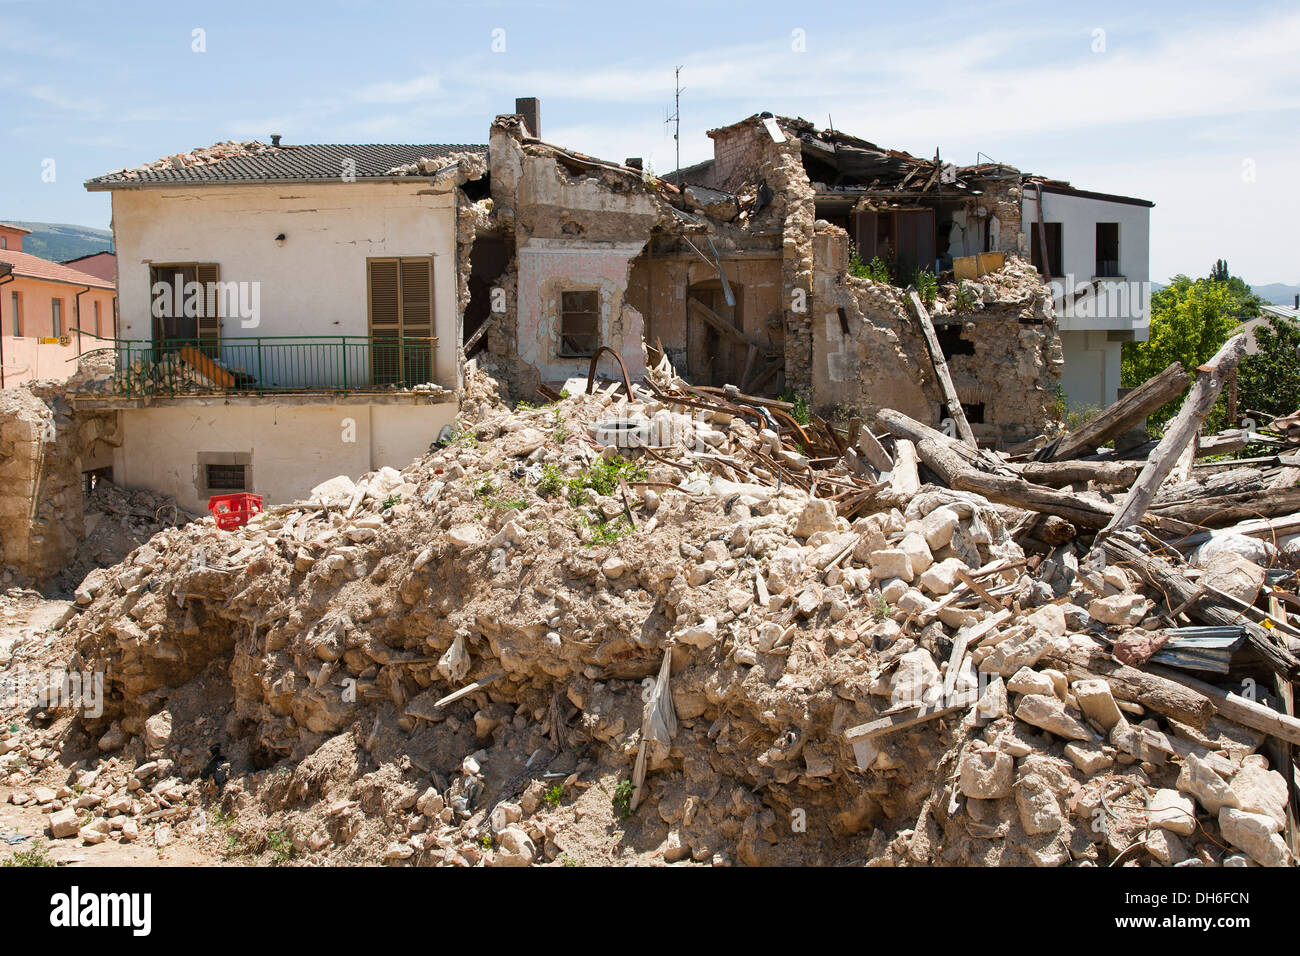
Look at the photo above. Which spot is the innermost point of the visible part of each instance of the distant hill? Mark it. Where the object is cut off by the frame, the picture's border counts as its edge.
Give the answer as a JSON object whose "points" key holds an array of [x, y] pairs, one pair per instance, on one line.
{"points": [[60, 242], [1277, 293]]}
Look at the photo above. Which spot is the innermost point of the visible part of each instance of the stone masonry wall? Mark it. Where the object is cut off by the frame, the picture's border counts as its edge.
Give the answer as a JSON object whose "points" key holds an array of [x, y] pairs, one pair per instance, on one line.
{"points": [[41, 508]]}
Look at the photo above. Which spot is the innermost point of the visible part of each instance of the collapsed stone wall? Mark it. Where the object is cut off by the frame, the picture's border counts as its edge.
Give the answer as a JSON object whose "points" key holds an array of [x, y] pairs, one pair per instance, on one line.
{"points": [[42, 445], [869, 351], [794, 203]]}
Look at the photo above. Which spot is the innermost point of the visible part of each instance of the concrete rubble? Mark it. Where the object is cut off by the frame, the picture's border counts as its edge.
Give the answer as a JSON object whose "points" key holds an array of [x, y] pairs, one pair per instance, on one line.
{"points": [[673, 611]]}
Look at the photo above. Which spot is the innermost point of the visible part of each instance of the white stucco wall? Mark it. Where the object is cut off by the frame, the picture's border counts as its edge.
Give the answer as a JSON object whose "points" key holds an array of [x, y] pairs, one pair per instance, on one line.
{"points": [[1079, 216], [293, 447], [313, 284], [1091, 376]]}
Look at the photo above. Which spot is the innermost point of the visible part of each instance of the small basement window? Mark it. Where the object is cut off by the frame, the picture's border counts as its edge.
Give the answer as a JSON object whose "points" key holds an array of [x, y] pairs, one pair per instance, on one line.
{"points": [[226, 477], [579, 323]]}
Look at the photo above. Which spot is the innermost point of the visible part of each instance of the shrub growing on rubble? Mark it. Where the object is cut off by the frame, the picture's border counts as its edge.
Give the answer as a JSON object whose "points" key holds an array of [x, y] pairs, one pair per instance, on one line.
{"points": [[964, 301], [602, 478], [35, 855], [876, 270], [552, 481], [927, 286], [623, 799], [800, 412], [607, 532], [281, 848]]}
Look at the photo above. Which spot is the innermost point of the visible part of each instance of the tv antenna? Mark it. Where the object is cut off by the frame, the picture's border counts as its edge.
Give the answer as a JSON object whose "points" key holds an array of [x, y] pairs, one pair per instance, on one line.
{"points": [[675, 118]]}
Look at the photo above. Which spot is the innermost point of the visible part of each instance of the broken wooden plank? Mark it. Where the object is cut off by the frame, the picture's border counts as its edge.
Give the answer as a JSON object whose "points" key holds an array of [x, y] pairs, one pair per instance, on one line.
{"points": [[1122, 416], [951, 401], [726, 328], [904, 479], [908, 718], [1221, 510], [1116, 474], [478, 334], [467, 690], [1238, 709], [1129, 683], [1181, 432], [873, 451]]}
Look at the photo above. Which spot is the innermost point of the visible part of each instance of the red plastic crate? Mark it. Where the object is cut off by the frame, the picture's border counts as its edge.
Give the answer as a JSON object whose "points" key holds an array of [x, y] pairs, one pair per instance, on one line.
{"points": [[233, 511]]}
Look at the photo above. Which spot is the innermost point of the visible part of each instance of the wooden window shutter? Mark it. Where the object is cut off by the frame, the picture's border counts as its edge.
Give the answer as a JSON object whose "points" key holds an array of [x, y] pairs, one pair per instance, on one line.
{"points": [[417, 298], [385, 319], [207, 274], [385, 298], [401, 308]]}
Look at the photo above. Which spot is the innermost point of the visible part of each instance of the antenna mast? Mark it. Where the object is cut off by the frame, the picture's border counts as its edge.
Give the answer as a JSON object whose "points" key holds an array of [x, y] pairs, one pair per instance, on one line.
{"points": [[675, 118]]}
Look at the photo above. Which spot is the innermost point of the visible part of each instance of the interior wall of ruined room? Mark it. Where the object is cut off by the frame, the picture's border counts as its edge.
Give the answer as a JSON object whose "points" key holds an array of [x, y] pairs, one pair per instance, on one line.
{"points": [[550, 267], [573, 228], [868, 358], [659, 287]]}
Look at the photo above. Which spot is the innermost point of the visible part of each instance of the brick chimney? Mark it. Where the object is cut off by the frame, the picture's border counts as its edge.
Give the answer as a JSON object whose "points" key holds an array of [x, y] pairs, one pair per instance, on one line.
{"points": [[530, 108]]}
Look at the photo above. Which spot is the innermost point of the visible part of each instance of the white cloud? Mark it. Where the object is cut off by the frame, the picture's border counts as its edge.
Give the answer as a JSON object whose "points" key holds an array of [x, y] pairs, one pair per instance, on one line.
{"points": [[417, 89]]}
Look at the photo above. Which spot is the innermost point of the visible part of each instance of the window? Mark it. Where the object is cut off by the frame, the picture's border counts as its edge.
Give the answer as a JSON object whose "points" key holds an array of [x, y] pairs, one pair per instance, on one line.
{"points": [[98, 333], [1107, 249], [401, 321], [173, 329], [56, 317], [223, 472], [227, 477], [4, 242], [1053, 249], [579, 323], [16, 310]]}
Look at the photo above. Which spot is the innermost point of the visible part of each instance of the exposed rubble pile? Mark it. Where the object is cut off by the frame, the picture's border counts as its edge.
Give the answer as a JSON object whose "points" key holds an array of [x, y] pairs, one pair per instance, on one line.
{"points": [[117, 521], [202, 156], [648, 628]]}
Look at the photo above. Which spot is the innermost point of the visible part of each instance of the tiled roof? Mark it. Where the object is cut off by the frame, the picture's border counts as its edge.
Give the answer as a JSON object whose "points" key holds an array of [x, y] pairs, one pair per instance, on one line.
{"points": [[257, 162], [29, 266]]}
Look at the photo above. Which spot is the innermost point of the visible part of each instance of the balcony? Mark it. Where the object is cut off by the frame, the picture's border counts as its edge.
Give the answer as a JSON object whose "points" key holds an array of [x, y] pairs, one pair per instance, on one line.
{"points": [[266, 366]]}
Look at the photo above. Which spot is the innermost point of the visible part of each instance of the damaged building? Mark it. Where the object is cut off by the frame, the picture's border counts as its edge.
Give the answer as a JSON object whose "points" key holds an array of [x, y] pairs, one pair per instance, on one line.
{"points": [[341, 289], [750, 270]]}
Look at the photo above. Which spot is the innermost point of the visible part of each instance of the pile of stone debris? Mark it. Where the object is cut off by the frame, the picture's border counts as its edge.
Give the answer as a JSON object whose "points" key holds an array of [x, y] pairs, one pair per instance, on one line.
{"points": [[679, 612], [201, 156]]}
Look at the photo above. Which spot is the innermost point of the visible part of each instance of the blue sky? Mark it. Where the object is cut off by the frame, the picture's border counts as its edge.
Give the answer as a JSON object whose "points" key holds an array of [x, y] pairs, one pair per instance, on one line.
{"points": [[1193, 105]]}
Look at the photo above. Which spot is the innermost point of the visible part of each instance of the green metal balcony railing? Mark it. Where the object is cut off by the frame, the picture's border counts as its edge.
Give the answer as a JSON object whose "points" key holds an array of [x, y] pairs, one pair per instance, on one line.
{"points": [[263, 365]]}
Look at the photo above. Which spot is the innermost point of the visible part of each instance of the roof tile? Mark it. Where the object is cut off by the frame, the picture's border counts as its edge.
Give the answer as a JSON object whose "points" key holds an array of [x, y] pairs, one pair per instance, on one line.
{"points": [[256, 162]]}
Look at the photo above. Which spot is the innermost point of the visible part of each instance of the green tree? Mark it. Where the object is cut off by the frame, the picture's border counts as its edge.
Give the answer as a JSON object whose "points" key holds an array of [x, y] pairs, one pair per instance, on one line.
{"points": [[1220, 273], [1190, 320], [1269, 380]]}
